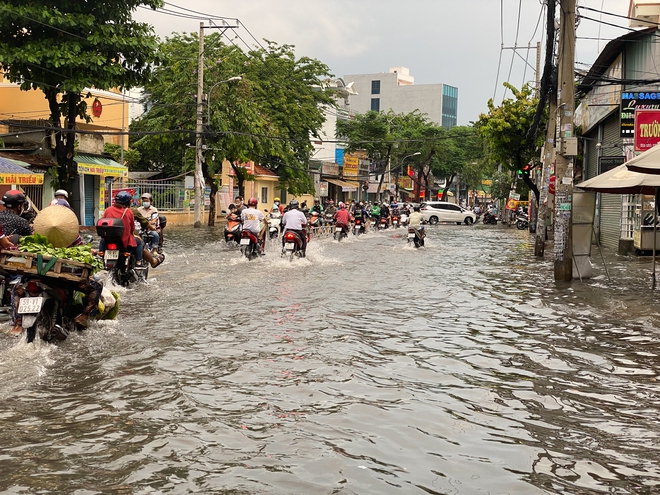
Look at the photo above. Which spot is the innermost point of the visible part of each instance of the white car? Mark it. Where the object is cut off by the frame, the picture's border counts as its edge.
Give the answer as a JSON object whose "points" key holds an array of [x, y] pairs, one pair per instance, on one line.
{"points": [[441, 211]]}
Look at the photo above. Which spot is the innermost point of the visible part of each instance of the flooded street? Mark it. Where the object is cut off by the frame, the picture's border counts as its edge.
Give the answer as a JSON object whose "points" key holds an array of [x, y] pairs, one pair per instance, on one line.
{"points": [[368, 368]]}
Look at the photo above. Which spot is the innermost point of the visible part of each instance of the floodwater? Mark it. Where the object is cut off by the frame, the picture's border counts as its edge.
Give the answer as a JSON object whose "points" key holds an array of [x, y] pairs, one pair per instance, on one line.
{"points": [[368, 368]]}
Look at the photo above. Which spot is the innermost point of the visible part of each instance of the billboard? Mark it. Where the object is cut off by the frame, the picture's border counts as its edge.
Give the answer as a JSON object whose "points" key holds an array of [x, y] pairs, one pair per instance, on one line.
{"points": [[647, 129]]}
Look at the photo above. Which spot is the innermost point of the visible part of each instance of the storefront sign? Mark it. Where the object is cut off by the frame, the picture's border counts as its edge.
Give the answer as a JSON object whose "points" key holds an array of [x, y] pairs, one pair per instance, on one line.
{"points": [[630, 103], [647, 129], [330, 169], [323, 189], [405, 182], [607, 163], [351, 166], [107, 170], [21, 179]]}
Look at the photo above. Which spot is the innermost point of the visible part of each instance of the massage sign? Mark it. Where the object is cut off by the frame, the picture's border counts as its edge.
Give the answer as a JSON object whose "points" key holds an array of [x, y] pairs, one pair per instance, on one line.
{"points": [[647, 129]]}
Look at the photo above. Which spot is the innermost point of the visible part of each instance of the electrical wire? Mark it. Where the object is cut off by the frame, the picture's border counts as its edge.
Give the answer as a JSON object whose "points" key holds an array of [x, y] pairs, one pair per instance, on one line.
{"points": [[515, 46]]}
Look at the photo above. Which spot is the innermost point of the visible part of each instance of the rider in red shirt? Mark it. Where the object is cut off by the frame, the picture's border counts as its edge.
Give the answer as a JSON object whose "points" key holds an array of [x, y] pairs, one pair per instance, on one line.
{"points": [[121, 209], [342, 217]]}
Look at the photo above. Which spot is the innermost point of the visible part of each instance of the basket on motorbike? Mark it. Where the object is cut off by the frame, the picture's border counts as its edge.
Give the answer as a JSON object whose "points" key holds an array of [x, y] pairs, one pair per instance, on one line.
{"points": [[21, 263], [110, 228]]}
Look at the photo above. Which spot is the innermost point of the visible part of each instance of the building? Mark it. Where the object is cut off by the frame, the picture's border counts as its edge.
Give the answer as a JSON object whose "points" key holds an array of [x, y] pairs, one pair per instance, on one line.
{"points": [[396, 90], [606, 116]]}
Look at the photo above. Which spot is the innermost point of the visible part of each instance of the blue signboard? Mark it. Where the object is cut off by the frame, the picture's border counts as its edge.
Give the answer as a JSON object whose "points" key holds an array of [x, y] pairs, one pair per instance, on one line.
{"points": [[339, 157]]}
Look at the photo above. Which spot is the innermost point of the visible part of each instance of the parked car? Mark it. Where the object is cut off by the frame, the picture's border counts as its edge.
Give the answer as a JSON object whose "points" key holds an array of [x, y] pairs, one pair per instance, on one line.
{"points": [[441, 211]]}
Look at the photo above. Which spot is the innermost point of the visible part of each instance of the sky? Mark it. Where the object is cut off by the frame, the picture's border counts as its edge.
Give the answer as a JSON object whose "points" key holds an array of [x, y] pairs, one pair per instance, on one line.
{"points": [[441, 41]]}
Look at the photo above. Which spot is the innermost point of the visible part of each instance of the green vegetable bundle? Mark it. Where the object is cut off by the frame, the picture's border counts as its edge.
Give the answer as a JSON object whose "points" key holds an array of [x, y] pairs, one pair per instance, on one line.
{"points": [[38, 244]]}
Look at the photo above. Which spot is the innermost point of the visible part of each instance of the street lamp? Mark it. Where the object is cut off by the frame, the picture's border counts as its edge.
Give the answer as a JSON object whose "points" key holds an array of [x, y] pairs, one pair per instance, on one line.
{"points": [[198, 142], [398, 169], [208, 96]]}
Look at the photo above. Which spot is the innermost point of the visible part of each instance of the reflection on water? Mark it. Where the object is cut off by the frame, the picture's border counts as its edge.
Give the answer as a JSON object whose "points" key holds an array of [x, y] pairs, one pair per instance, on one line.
{"points": [[369, 367]]}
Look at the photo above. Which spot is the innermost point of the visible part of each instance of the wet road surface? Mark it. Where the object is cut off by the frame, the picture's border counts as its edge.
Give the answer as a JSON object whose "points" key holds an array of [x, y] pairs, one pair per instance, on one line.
{"points": [[368, 368]]}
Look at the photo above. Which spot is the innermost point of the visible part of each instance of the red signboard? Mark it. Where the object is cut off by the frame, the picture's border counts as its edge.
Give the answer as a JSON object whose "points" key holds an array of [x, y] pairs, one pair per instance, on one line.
{"points": [[551, 186], [647, 129]]}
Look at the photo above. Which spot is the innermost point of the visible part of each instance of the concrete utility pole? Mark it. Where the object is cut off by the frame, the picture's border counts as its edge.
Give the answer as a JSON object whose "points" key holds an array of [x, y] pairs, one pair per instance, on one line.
{"points": [[566, 145], [544, 194], [199, 196]]}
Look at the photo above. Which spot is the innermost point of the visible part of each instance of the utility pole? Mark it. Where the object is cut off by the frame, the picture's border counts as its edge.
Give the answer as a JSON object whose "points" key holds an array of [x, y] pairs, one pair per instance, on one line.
{"points": [[566, 145], [544, 194], [199, 196]]}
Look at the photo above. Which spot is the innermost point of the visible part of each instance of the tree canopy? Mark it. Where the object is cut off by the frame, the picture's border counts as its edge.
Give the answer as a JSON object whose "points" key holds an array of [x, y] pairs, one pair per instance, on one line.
{"points": [[267, 116], [63, 47], [504, 130]]}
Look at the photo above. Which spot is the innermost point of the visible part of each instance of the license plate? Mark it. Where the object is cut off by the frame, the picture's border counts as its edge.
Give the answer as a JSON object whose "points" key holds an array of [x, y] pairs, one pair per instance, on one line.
{"points": [[395, 222], [410, 236], [30, 305], [111, 255], [245, 241], [289, 246], [338, 229]]}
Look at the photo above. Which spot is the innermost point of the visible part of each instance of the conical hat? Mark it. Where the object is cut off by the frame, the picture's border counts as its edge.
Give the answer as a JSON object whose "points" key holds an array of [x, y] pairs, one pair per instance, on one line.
{"points": [[58, 223]]}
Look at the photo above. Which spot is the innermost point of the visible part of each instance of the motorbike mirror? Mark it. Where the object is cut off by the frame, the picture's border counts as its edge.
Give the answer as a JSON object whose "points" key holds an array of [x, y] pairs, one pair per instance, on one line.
{"points": [[223, 211]]}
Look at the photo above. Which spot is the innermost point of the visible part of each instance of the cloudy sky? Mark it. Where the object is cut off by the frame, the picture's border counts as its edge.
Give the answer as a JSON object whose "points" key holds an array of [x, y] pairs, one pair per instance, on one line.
{"points": [[440, 41]]}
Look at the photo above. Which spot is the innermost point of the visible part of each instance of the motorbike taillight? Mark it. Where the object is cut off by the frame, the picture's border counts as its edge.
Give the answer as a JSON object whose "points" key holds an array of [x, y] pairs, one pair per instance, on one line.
{"points": [[33, 288], [290, 237], [111, 247]]}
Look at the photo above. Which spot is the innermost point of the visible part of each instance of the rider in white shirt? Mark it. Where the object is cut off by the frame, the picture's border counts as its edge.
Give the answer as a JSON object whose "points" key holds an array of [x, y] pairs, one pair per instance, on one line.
{"points": [[295, 220], [255, 221]]}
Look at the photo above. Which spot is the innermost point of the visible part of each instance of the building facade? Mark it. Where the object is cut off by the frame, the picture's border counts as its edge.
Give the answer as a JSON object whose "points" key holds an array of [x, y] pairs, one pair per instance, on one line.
{"points": [[396, 90]]}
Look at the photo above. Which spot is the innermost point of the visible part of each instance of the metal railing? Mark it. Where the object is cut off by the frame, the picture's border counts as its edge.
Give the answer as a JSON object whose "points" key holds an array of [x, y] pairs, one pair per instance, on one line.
{"points": [[167, 195]]}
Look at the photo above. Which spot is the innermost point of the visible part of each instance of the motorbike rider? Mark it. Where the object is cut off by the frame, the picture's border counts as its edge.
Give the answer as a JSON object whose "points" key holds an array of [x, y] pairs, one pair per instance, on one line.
{"points": [[296, 221], [342, 217], [361, 213], [316, 207], [330, 211], [255, 221], [122, 209], [5, 242], [150, 212], [394, 209], [375, 213], [145, 225], [416, 221], [10, 219], [240, 206], [385, 213], [278, 204]]}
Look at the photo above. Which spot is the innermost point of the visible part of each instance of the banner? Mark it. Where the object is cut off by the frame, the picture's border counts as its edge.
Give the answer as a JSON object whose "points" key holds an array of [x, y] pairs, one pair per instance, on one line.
{"points": [[21, 179], [647, 129], [351, 166]]}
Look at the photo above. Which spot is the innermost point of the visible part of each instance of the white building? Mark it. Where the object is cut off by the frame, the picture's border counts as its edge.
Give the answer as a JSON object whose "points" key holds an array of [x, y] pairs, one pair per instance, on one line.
{"points": [[396, 90]]}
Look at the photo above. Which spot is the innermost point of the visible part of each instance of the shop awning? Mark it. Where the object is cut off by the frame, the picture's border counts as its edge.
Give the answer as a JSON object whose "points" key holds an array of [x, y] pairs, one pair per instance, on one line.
{"points": [[97, 165], [346, 186], [13, 174]]}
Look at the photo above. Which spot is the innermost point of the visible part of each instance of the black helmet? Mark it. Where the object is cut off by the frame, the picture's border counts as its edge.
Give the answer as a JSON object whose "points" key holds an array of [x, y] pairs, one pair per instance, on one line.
{"points": [[293, 204], [13, 198], [416, 208], [123, 198]]}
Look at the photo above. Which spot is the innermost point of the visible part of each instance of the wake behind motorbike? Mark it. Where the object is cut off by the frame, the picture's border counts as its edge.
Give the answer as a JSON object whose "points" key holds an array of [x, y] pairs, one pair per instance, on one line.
{"points": [[292, 245], [119, 260]]}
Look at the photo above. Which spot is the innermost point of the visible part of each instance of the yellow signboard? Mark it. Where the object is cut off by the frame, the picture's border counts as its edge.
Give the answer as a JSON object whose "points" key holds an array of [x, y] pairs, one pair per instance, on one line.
{"points": [[21, 179], [109, 170], [351, 166]]}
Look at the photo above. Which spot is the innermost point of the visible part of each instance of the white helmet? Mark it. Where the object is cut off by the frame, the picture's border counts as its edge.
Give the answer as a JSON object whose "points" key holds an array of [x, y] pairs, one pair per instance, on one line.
{"points": [[61, 192]]}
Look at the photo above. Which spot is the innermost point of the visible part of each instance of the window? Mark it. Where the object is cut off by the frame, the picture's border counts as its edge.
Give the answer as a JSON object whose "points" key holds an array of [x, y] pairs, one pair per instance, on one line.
{"points": [[264, 195], [375, 87], [375, 104]]}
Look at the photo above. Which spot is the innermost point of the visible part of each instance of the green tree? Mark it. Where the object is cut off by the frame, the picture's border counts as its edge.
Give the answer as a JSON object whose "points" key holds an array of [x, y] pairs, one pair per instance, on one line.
{"points": [[266, 117], [504, 130], [131, 156], [62, 47]]}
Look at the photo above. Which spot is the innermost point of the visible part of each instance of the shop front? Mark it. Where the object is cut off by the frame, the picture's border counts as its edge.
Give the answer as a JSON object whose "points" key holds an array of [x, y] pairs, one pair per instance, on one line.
{"points": [[96, 175], [15, 176]]}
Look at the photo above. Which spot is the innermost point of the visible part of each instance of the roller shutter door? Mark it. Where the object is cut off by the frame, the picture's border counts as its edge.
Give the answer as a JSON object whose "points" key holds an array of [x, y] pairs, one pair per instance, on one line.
{"points": [[610, 204]]}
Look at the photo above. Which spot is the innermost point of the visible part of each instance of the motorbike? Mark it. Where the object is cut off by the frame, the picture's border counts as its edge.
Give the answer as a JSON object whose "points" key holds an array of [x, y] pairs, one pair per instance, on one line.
{"points": [[147, 237], [315, 220], [341, 231], [46, 311], [119, 260], [522, 221], [490, 219], [328, 218], [404, 220], [292, 245], [358, 227], [250, 246], [274, 219], [396, 221], [416, 236], [382, 225]]}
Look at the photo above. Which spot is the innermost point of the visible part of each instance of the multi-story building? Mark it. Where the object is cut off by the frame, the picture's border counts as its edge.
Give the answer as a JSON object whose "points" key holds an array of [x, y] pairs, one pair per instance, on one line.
{"points": [[396, 90]]}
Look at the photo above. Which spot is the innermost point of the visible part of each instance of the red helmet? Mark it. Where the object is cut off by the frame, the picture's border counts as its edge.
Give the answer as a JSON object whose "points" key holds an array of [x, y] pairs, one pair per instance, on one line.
{"points": [[341, 205], [252, 202]]}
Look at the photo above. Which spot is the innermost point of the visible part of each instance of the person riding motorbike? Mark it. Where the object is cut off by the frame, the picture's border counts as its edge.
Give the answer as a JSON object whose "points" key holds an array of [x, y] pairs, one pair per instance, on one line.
{"points": [[296, 221], [342, 218], [150, 212], [145, 225], [278, 204], [361, 213], [316, 207], [240, 206], [385, 213], [255, 221], [416, 222], [122, 209], [10, 219], [375, 214], [330, 211]]}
